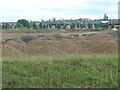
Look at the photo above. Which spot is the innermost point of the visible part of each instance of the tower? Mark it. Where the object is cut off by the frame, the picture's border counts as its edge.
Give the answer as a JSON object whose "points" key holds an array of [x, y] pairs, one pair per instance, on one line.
{"points": [[105, 18]]}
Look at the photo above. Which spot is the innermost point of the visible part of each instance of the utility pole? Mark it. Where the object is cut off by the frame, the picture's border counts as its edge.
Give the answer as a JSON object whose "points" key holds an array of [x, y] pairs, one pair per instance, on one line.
{"points": [[119, 14]]}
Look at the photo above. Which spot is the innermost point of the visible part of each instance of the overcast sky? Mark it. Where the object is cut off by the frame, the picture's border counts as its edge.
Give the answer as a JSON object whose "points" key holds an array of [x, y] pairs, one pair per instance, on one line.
{"points": [[35, 10]]}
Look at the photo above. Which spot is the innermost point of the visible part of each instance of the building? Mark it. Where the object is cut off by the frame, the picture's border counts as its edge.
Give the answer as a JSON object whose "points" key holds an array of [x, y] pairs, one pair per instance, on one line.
{"points": [[105, 18], [114, 24], [104, 21]]}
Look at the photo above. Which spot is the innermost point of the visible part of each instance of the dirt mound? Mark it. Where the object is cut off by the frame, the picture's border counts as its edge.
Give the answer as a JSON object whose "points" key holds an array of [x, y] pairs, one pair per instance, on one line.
{"points": [[103, 47], [114, 34], [13, 39], [45, 47], [105, 37], [69, 47], [43, 43], [93, 44], [10, 51], [78, 38], [11, 48], [27, 39]]}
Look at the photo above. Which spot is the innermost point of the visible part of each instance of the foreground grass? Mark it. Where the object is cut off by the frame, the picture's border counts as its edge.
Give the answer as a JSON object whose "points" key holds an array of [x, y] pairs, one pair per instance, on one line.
{"points": [[76, 71]]}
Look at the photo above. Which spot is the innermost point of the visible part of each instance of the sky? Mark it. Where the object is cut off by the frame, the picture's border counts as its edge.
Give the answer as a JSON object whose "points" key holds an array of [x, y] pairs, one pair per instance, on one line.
{"points": [[36, 10]]}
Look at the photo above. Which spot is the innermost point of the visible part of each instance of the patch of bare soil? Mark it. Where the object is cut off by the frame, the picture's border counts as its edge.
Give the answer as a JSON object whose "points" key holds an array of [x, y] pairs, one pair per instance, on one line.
{"points": [[105, 37], [92, 44]]}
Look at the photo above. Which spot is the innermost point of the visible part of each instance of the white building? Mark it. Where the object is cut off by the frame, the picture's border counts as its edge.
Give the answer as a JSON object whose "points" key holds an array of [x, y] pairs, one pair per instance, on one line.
{"points": [[104, 21]]}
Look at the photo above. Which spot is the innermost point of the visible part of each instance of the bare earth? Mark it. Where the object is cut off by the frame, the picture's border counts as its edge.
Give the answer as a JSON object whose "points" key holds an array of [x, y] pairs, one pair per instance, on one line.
{"points": [[59, 42]]}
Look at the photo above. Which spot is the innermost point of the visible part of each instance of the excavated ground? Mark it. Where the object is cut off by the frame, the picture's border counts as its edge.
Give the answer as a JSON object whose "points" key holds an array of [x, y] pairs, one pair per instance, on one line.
{"points": [[67, 43]]}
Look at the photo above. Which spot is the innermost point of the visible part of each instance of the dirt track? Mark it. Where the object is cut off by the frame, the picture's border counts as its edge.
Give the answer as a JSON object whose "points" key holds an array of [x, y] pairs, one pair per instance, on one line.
{"points": [[98, 43]]}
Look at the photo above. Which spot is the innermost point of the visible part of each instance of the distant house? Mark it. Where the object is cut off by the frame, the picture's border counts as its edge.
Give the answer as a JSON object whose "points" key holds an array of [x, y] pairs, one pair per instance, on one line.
{"points": [[68, 27], [53, 27], [114, 24], [104, 21], [93, 26]]}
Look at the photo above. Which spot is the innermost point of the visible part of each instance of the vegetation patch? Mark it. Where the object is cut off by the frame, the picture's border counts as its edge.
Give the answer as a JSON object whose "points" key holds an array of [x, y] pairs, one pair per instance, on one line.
{"points": [[72, 71]]}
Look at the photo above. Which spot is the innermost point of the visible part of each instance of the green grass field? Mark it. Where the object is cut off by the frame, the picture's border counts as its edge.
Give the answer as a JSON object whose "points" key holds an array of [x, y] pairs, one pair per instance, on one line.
{"points": [[74, 71]]}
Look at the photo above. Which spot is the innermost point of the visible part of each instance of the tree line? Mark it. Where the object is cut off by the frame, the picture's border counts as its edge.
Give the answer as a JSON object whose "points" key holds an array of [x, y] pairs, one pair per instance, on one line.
{"points": [[25, 24]]}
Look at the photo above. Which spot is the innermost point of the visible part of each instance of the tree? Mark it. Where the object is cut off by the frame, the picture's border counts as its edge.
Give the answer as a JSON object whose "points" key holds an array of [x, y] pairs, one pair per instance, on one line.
{"points": [[78, 25], [35, 26], [24, 22], [89, 25], [97, 25], [58, 26], [19, 24], [44, 25], [83, 25], [3, 25], [104, 25], [65, 25], [53, 19], [30, 25], [41, 25], [6, 26], [72, 26]]}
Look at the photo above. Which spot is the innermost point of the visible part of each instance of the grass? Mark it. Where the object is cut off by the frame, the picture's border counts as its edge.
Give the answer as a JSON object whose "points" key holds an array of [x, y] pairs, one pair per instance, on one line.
{"points": [[73, 71]]}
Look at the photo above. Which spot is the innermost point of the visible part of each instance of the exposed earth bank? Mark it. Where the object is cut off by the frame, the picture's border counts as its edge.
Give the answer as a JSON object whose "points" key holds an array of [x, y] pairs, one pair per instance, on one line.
{"points": [[60, 43]]}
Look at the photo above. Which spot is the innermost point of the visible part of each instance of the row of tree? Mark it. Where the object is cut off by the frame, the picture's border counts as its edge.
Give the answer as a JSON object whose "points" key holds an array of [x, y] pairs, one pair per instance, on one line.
{"points": [[23, 23]]}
